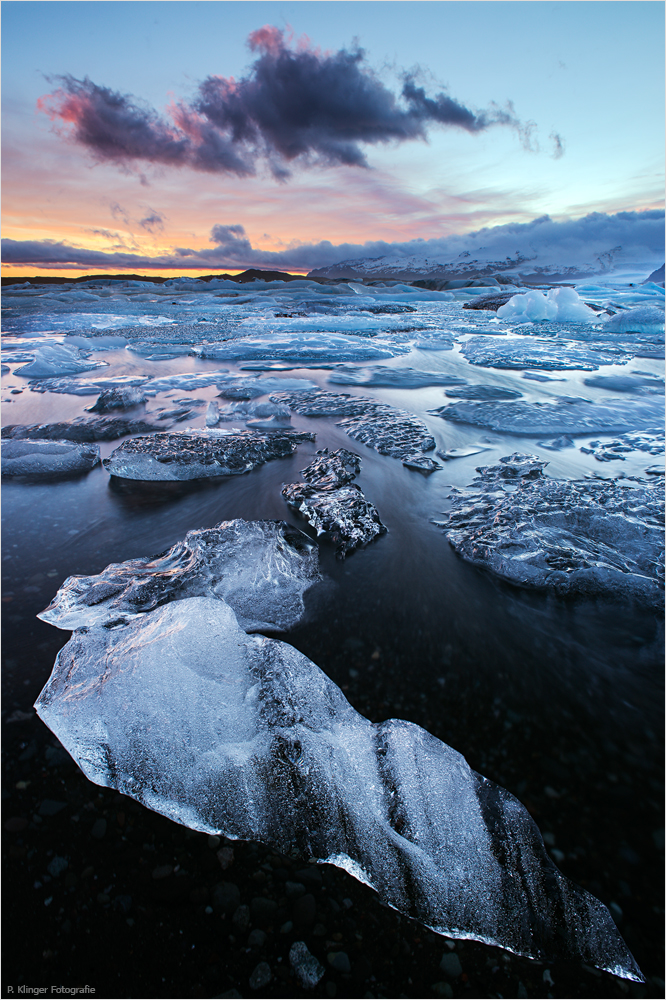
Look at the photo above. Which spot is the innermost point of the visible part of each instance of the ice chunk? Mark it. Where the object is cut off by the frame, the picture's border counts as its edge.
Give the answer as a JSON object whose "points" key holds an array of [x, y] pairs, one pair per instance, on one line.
{"points": [[332, 504], [463, 452], [261, 568], [399, 378], [80, 429], [308, 969], [560, 304], [421, 463], [592, 537], [47, 458], [57, 359], [632, 382], [537, 352], [484, 392], [199, 454], [244, 736], [542, 419], [388, 430], [643, 319], [251, 388], [118, 398], [607, 451], [308, 350]]}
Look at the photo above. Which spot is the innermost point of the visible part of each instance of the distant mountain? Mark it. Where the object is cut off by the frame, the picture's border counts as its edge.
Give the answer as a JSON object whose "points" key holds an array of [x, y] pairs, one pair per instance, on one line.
{"points": [[523, 267]]}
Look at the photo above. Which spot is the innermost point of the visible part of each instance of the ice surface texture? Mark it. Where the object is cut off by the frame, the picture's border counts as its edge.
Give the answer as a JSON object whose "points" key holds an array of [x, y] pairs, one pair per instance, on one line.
{"points": [[244, 736], [579, 417], [589, 536], [199, 454], [380, 426], [260, 568], [308, 349], [81, 429], [332, 504], [398, 378], [538, 352], [644, 319], [47, 458], [57, 359], [119, 398]]}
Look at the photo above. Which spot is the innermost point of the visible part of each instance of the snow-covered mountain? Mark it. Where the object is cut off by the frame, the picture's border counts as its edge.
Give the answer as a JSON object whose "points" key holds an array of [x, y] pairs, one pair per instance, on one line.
{"points": [[629, 246]]}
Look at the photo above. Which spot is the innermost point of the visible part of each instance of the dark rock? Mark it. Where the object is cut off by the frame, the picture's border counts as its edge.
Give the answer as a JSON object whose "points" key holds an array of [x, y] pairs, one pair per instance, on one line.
{"points": [[199, 455], [304, 910], [49, 807], [256, 939], [490, 302], [308, 969], [226, 897], [450, 965], [241, 918], [261, 976], [99, 829], [339, 960], [263, 910]]}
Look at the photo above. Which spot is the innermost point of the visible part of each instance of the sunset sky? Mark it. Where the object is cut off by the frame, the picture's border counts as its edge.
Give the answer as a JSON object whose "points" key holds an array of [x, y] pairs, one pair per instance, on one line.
{"points": [[192, 137]]}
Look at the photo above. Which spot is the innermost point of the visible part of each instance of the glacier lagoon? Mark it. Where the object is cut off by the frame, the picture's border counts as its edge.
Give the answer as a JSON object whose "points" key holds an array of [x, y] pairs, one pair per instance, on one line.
{"points": [[404, 627]]}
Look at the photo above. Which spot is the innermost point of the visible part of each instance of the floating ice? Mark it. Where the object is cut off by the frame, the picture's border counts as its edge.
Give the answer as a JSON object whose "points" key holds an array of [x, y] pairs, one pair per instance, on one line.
{"points": [[399, 378], [244, 388], [81, 429], [463, 452], [560, 304], [607, 451], [644, 319], [199, 454], [632, 382], [561, 417], [118, 398], [483, 392], [244, 736], [246, 411], [591, 537], [260, 568], [57, 359], [47, 458], [309, 350], [332, 504], [537, 352], [421, 463], [388, 430]]}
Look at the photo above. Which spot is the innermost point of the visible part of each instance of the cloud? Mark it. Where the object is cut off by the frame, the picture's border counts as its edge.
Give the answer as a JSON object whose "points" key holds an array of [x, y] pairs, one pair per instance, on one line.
{"points": [[295, 104], [639, 235], [153, 221]]}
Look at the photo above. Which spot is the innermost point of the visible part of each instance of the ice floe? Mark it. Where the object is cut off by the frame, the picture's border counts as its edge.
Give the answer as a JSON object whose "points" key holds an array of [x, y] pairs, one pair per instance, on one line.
{"points": [[538, 352], [334, 505], [260, 568], [577, 417], [590, 536], [199, 454], [608, 451], [483, 392], [643, 319], [309, 350], [81, 429], [57, 360], [388, 430], [118, 398], [244, 736], [398, 378], [631, 382], [48, 459]]}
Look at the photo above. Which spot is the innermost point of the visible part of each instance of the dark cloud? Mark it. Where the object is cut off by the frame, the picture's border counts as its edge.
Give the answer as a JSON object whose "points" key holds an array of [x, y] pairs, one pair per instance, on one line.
{"points": [[640, 236], [152, 222], [294, 104]]}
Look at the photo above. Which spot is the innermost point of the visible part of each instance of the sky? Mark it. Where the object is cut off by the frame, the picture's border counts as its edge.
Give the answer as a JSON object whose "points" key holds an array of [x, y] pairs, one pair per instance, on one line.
{"points": [[198, 137]]}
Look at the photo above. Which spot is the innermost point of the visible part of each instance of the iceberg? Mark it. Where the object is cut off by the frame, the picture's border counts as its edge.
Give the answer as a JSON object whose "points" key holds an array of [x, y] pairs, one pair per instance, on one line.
{"points": [[577, 417], [260, 568], [57, 359], [243, 736], [199, 454], [388, 430], [332, 504], [48, 459], [598, 537], [562, 305]]}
